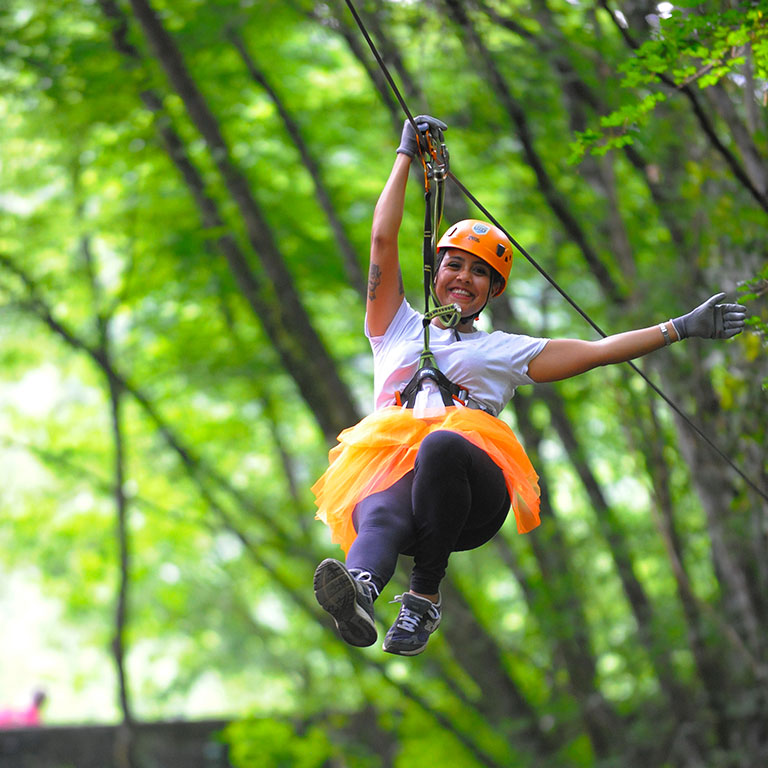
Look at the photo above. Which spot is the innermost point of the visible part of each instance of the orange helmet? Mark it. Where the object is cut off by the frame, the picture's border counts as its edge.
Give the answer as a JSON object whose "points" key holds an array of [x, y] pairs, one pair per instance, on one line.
{"points": [[483, 240]]}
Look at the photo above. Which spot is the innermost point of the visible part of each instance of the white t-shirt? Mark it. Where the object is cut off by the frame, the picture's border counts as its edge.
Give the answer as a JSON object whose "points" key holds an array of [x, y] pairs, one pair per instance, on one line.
{"points": [[489, 365]]}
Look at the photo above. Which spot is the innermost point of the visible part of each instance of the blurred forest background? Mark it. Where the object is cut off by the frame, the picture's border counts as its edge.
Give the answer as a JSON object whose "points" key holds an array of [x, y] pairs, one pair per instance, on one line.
{"points": [[186, 189]]}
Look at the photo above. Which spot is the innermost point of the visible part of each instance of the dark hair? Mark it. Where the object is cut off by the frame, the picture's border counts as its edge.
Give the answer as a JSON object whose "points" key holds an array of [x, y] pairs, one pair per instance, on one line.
{"points": [[496, 281]]}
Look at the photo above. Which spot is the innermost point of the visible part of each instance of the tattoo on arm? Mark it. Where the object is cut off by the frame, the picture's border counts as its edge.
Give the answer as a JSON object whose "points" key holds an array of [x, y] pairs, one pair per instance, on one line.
{"points": [[400, 279], [374, 280]]}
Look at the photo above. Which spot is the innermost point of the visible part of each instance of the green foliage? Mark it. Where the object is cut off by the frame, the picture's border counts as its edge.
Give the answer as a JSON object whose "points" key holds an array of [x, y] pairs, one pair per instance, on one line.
{"points": [[695, 43], [277, 744], [603, 637], [754, 293]]}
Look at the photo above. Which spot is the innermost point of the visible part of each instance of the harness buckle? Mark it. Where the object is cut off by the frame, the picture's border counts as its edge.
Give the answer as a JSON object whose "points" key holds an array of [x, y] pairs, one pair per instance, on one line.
{"points": [[462, 396]]}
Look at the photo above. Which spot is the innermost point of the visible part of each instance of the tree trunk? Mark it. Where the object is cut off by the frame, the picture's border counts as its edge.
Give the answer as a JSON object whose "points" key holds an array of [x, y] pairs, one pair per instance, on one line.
{"points": [[361, 53], [637, 15], [348, 253], [711, 672], [502, 702], [754, 163], [570, 636], [611, 530], [554, 199], [312, 367], [124, 737]]}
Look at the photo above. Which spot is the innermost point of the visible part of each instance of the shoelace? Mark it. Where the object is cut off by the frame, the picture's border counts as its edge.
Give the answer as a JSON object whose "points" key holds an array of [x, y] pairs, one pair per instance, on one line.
{"points": [[365, 578], [408, 620]]}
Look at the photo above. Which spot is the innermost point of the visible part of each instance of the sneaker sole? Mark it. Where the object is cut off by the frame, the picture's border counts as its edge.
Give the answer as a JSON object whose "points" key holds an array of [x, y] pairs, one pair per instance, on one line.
{"points": [[409, 652], [336, 593]]}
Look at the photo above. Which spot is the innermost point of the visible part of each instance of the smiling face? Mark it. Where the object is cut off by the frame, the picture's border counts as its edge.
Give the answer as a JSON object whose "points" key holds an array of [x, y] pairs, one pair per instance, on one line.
{"points": [[463, 279]]}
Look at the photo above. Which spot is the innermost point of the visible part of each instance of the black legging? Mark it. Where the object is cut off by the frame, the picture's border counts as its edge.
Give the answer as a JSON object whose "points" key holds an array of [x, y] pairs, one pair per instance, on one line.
{"points": [[455, 498]]}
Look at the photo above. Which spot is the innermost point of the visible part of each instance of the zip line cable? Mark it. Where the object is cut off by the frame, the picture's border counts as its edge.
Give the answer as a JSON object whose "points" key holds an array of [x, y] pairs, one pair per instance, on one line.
{"points": [[687, 419], [671, 403]]}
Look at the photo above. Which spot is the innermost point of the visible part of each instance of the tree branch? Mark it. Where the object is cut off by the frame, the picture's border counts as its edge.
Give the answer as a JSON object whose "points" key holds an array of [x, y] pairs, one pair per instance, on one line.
{"points": [[701, 115], [315, 372], [348, 253]]}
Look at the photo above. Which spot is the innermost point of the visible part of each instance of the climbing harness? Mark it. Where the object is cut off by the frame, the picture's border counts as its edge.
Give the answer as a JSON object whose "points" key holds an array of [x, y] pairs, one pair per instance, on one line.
{"points": [[450, 393], [679, 411]]}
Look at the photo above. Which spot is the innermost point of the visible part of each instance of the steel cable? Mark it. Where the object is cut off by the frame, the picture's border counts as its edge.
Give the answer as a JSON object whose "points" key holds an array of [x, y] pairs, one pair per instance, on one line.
{"points": [[687, 419]]}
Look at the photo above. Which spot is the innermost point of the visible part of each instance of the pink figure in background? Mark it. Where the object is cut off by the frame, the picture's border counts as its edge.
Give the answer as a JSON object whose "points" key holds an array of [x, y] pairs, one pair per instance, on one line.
{"points": [[28, 717]]}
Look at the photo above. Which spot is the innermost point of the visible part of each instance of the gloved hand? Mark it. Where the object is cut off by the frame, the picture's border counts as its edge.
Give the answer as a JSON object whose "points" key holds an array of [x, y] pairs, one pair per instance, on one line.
{"points": [[408, 140], [712, 320]]}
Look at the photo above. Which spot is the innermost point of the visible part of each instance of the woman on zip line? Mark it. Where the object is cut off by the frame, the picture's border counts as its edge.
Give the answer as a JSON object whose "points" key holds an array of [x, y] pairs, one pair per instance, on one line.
{"points": [[432, 479]]}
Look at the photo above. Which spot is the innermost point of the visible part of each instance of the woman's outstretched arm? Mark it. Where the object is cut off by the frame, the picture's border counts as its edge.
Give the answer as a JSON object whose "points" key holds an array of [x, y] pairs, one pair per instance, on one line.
{"points": [[563, 358]]}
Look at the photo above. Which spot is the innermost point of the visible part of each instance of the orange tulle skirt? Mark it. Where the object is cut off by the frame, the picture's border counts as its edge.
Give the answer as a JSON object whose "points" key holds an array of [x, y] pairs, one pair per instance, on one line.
{"points": [[375, 453]]}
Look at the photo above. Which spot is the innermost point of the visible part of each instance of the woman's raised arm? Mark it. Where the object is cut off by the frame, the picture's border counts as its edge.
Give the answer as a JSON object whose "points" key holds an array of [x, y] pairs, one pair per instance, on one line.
{"points": [[385, 282]]}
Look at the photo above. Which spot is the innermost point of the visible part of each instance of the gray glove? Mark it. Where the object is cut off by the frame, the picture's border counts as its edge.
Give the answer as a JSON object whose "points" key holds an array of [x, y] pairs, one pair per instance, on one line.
{"points": [[712, 320], [408, 140]]}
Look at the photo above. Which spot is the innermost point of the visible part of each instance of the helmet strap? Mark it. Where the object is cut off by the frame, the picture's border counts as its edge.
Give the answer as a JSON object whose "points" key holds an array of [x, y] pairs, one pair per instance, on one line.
{"points": [[473, 317]]}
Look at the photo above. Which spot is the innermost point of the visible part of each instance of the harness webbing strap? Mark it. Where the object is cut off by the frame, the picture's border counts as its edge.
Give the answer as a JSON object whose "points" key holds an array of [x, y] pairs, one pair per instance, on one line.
{"points": [[434, 159], [450, 392]]}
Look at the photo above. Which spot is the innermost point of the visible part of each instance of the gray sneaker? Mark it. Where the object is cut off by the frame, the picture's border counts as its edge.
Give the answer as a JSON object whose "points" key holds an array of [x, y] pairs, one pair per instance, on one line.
{"points": [[348, 596], [419, 617]]}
